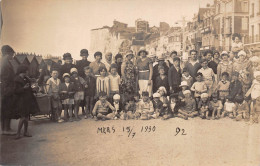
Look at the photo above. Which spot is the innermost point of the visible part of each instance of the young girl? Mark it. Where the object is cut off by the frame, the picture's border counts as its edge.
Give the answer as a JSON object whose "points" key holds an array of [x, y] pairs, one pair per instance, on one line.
{"points": [[186, 77], [89, 88], [101, 108], [235, 88], [223, 87], [114, 80], [203, 106], [224, 66], [229, 108], [188, 106], [215, 106], [254, 90], [199, 87], [117, 105], [24, 99], [184, 86], [102, 82], [162, 91], [53, 87], [145, 107], [67, 96], [79, 90]]}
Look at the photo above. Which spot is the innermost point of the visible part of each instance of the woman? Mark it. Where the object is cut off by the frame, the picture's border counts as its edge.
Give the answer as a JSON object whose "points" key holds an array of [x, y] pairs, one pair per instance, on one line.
{"points": [[25, 100], [145, 72], [224, 66], [128, 83]]}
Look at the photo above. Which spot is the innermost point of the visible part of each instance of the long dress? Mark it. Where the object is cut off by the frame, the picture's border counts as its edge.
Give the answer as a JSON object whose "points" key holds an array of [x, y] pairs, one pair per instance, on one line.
{"points": [[128, 83]]}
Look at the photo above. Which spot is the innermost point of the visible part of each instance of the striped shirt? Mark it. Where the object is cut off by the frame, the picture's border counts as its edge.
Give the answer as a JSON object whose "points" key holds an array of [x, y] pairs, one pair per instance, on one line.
{"points": [[102, 84]]}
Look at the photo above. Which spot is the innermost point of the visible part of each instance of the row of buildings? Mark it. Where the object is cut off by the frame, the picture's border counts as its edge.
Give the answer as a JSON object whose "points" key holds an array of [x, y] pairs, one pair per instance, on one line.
{"points": [[212, 27]]}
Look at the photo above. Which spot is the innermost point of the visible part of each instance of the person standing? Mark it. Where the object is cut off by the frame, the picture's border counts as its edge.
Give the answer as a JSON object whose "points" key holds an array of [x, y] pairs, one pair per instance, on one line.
{"points": [[118, 61], [108, 60], [193, 65], [145, 71], [7, 89], [96, 64], [81, 64], [65, 68], [174, 76]]}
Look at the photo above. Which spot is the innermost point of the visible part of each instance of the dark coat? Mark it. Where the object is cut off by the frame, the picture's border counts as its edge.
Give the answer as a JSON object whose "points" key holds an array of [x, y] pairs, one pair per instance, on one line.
{"points": [[70, 91], [80, 66], [174, 78], [159, 82], [7, 88], [25, 101], [91, 89], [156, 71]]}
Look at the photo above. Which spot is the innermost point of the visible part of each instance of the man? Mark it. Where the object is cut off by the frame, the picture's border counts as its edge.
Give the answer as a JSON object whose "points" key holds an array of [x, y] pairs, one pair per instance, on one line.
{"points": [[82, 63], [174, 76], [193, 65], [7, 90], [107, 60], [169, 59]]}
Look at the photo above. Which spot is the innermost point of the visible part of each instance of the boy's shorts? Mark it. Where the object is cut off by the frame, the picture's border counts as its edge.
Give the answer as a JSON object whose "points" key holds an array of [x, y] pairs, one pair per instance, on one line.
{"points": [[68, 101], [79, 96]]}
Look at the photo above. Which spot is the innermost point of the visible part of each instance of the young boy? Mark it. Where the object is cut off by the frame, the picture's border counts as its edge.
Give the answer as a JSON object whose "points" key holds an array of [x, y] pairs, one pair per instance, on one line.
{"points": [[114, 80], [242, 109], [188, 106], [117, 105], [145, 107], [203, 106], [208, 75], [173, 105], [223, 87], [89, 90], [52, 88], [199, 87], [130, 109], [101, 108], [215, 106], [79, 91], [186, 77]]}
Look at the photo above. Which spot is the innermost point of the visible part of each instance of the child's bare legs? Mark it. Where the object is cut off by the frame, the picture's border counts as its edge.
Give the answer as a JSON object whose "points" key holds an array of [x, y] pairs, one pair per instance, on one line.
{"points": [[182, 114], [76, 107], [66, 116], [213, 113], [234, 113], [223, 114], [218, 113], [20, 125], [70, 112], [25, 133]]}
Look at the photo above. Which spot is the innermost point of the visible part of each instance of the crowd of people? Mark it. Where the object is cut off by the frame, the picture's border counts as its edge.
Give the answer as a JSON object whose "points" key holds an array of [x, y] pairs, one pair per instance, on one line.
{"points": [[142, 86]]}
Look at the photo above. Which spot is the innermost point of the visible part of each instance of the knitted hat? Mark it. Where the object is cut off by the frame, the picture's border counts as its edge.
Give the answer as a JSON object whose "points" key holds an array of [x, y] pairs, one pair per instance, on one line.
{"points": [[116, 97], [156, 95], [187, 92], [73, 70], [66, 75], [184, 83]]}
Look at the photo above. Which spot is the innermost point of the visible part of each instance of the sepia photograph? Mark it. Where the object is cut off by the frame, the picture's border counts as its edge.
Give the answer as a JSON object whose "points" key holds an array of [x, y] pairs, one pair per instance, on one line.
{"points": [[130, 82]]}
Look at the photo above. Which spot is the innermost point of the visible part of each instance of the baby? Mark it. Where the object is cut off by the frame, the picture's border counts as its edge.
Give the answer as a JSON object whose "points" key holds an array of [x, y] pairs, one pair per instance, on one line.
{"points": [[216, 106], [203, 106], [229, 108]]}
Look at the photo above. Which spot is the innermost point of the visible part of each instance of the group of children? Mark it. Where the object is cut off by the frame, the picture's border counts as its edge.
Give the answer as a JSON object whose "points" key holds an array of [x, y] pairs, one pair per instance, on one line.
{"points": [[205, 97]]}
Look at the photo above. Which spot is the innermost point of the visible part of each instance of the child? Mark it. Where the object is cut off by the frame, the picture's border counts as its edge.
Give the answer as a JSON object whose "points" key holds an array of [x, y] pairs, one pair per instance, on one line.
{"points": [[24, 99], [184, 86], [223, 87], [173, 105], [52, 88], [79, 90], [162, 91], [203, 106], [229, 108], [235, 89], [102, 82], [199, 87], [157, 105], [208, 75], [186, 77], [256, 111], [161, 80], [89, 88], [145, 107], [246, 82], [224, 66], [242, 109], [188, 106], [101, 108], [215, 106], [130, 109], [67, 96], [114, 80], [254, 90], [117, 105]]}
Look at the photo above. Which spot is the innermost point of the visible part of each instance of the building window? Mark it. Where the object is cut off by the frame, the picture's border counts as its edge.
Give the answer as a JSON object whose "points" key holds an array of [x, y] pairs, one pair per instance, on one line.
{"points": [[252, 33], [244, 23], [245, 6]]}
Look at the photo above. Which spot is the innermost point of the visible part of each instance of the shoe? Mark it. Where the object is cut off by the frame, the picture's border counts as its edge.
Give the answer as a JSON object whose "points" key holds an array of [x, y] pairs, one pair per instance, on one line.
{"points": [[60, 121], [86, 117], [27, 135]]}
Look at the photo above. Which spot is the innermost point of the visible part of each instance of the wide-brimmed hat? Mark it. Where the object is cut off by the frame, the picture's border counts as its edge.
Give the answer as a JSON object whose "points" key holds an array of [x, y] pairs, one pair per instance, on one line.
{"points": [[129, 52], [156, 95], [142, 49], [67, 56], [224, 53], [73, 70], [84, 52], [241, 53]]}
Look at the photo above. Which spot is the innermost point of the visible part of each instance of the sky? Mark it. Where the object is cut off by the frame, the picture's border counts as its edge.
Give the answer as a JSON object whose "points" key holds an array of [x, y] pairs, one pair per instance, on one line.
{"points": [[59, 26]]}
